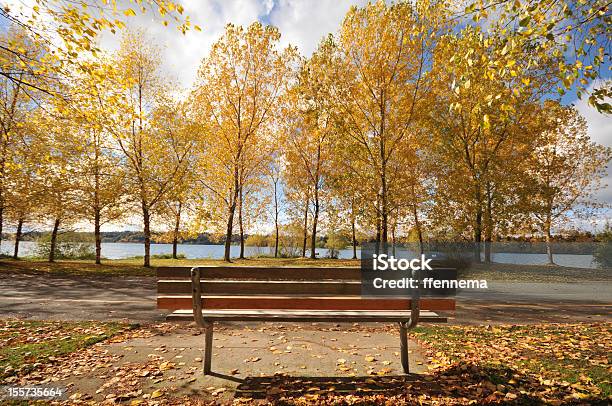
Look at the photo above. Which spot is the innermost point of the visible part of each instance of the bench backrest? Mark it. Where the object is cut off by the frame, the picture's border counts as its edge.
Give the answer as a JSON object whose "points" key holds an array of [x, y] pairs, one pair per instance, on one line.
{"points": [[241, 287]]}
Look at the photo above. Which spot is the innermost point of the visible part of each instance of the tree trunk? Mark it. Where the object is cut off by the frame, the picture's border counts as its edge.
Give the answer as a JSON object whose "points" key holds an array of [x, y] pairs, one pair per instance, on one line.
{"points": [[488, 225], [175, 246], [305, 236], [228, 232], [354, 238], [549, 252], [276, 237], [384, 220], [56, 225], [97, 210], [417, 226], [315, 219], [177, 228], [1, 218], [393, 239], [276, 219], [146, 218], [18, 237], [2, 174], [377, 242], [97, 236], [241, 225], [478, 235], [230, 217], [384, 209], [384, 233]]}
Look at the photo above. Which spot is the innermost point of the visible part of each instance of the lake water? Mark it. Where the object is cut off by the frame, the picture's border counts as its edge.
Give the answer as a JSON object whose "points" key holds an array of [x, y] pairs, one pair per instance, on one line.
{"points": [[194, 251], [120, 250]]}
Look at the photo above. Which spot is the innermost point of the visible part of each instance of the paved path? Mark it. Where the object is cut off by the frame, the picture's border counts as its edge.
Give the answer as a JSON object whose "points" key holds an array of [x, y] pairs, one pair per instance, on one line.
{"points": [[74, 298], [521, 302], [78, 298], [251, 362]]}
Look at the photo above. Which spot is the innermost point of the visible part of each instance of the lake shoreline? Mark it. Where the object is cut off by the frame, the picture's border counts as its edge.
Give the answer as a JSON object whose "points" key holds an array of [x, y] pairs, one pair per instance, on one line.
{"points": [[125, 250]]}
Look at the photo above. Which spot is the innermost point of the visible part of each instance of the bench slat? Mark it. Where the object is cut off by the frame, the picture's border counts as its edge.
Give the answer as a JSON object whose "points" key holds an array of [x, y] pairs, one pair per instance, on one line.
{"points": [[306, 315], [274, 288], [260, 273], [176, 302]]}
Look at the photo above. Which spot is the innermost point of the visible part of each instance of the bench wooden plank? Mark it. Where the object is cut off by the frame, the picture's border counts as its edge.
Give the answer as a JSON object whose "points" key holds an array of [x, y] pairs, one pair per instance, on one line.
{"points": [[253, 272], [281, 273], [307, 316], [257, 287], [176, 302]]}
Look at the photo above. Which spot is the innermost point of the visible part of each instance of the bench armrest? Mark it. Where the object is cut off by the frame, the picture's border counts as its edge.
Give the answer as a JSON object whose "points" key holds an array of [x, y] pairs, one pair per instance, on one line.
{"points": [[196, 294]]}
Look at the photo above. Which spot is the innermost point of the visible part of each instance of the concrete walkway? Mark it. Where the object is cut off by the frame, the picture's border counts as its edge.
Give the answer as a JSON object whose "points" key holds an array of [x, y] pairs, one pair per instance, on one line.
{"points": [[250, 362]]}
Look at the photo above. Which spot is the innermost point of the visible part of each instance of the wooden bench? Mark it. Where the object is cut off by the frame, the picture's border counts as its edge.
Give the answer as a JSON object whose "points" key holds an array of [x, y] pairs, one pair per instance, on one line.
{"points": [[238, 293]]}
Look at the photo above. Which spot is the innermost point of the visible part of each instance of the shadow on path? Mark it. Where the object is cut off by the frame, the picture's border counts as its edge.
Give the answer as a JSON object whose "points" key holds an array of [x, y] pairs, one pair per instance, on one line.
{"points": [[296, 386]]}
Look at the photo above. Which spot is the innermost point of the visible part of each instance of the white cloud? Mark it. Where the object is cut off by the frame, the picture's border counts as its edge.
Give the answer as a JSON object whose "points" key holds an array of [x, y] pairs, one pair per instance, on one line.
{"points": [[600, 125], [303, 22], [600, 131], [182, 54]]}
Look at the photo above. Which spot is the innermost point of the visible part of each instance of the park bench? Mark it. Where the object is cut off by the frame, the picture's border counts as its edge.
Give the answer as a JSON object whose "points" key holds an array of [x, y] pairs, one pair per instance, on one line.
{"points": [[211, 294]]}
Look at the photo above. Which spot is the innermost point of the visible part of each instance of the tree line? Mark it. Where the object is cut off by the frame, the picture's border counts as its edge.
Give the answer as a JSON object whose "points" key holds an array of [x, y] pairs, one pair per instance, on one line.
{"points": [[407, 124]]}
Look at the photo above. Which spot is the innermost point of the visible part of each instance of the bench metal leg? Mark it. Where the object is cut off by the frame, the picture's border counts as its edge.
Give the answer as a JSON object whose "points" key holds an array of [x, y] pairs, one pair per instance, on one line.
{"points": [[208, 340], [404, 347]]}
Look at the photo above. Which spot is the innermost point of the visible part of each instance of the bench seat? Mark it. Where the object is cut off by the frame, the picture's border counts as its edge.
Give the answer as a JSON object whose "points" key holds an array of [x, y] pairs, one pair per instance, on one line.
{"points": [[307, 315]]}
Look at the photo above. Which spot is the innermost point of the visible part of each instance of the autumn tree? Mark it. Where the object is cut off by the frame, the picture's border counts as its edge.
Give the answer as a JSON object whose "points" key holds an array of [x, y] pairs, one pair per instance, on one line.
{"points": [[24, 173], [170, 120], [100, 175], [55, 136], [297, 198], [565, 170], [236, 99], [15, 100], [308, 138], [70, 31], [578, 32], [336, 230], [349, 200], [482, 118], [379, 81], [274, 174], [156, 156], [254, 175]]}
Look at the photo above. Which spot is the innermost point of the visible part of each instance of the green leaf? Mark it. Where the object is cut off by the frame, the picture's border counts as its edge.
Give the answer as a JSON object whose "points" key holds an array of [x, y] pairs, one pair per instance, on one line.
{"points": [[525, 21]]}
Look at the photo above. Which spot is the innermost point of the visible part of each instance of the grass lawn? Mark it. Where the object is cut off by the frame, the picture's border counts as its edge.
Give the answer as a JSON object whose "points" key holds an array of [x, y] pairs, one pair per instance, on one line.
{"points": [[26, 344], [133, 267], [556, 362], [534, 273]]}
